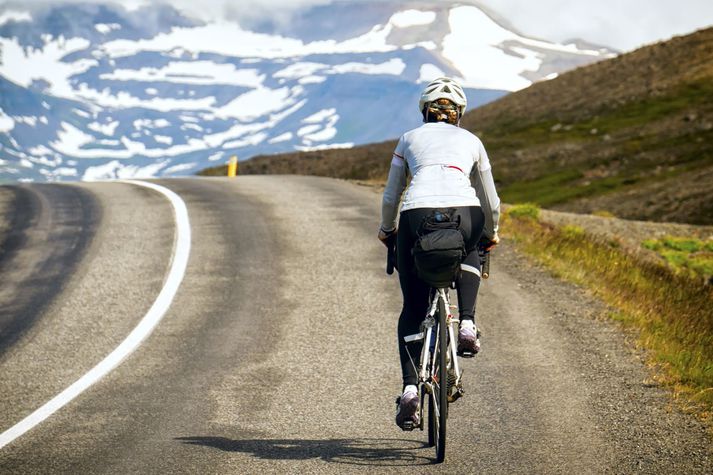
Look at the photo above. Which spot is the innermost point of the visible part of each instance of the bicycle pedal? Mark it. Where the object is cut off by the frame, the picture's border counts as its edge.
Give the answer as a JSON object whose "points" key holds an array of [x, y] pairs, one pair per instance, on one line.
{"points": [[467, 354], [457, 394], [408, 426]]}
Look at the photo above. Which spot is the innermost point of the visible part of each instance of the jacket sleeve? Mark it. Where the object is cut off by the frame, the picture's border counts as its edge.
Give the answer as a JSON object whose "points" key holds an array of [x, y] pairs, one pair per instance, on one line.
{"points": [[395, 185], [485, 189]]}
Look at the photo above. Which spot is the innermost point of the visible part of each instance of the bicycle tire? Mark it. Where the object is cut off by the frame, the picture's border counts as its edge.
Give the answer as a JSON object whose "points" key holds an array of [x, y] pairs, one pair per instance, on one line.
{"points": [[442, 393], [432, 428], [433, 405]]}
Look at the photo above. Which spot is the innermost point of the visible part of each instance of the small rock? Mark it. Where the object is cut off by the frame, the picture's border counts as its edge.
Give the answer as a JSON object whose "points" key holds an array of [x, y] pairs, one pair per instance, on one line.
{"points": [[690, 117]]}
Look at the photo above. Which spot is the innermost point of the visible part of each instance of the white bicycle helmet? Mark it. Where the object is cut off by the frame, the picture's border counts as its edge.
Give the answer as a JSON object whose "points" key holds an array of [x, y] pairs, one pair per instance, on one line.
{"points": [[443, 88]]}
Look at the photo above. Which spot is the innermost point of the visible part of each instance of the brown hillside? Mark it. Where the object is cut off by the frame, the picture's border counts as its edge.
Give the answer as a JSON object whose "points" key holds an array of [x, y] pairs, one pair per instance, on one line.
{"points": [[632, 135]]}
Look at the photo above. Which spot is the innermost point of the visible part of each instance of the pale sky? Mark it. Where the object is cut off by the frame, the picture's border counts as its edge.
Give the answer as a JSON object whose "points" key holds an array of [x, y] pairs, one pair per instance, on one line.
{"points": [[621, 24]]}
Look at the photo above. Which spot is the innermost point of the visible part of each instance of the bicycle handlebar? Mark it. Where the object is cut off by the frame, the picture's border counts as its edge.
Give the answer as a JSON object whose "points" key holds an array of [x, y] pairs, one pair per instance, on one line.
{"points": [[486, 265]]}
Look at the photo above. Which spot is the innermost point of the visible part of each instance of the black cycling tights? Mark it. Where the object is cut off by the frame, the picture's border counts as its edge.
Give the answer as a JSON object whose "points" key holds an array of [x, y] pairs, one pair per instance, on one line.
{"points": [[416, 292]]}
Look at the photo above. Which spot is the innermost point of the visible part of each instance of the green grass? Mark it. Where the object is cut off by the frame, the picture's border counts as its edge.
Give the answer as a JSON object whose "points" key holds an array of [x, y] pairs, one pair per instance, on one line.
{"points": [[606, 120], [685, 255], [671, 312], [561, 187], [524, 210]]}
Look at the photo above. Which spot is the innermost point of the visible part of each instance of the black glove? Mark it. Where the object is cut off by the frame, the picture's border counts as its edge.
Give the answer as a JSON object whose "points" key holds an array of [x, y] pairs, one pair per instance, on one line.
{"points": [[487, 244]]}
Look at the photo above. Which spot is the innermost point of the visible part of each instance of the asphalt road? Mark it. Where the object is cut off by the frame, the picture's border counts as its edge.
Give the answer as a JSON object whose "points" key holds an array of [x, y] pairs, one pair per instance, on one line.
{"points": [[278, 354]]}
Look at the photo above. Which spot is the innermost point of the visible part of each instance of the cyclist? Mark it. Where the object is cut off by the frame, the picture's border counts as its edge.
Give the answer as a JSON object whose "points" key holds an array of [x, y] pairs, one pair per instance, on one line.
{"points": [[441, 159]]}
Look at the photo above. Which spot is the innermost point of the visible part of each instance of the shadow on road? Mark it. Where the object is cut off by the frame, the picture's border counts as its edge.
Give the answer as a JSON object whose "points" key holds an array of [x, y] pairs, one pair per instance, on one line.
{"points": [[372, 452]]}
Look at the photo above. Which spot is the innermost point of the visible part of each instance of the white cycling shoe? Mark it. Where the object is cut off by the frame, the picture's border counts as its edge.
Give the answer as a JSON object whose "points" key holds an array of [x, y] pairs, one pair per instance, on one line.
{"points": [[468, 339], [407, 409]]}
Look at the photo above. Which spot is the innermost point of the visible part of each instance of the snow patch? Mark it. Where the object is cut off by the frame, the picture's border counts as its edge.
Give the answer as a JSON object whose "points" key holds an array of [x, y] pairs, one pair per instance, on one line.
{"points": [[281, 138], [106, 129], [252, 140], [140, 124], [47, 162], [312, 79], [216, 156], [71, 140], [408, 18], [327, 133], [182, 167], [320, 116], [255, 103], [6, 122], [26, 119], [16, 16], [105, 28], [117, 170], [229, 39], [23, 65], [429, 72], [303, 148], [300, 69], [191, 126], [308, 129], [193, 72], [124, 100], [473, 42], [394, 67]]}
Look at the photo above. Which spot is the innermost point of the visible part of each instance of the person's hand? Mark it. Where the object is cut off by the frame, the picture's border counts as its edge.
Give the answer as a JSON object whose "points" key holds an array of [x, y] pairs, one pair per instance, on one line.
{"points": [[488, 244], [387, 237]]}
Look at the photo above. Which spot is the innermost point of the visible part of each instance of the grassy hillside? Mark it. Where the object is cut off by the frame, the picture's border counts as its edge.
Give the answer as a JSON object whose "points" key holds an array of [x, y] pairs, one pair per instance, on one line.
{"points": [[632, 135]]}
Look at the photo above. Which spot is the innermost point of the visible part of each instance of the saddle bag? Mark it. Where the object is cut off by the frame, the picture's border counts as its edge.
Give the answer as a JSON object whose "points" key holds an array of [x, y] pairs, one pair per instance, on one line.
{"points": [[439, 249]]}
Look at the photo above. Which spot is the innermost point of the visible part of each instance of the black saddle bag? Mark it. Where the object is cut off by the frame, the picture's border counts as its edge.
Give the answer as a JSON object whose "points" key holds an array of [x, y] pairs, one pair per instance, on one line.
{"points": [[439, 249]]}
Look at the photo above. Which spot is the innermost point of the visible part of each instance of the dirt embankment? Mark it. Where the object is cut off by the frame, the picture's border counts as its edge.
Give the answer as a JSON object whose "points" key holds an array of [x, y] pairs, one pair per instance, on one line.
{"points": [[629, 233]]}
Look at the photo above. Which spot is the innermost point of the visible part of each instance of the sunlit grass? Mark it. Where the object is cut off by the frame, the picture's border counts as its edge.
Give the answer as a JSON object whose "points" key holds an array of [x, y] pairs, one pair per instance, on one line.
{"points": [[671, 311], [685, 255]]}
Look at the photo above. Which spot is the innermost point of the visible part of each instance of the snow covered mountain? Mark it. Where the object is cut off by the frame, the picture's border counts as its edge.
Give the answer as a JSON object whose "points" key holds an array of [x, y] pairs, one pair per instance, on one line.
{"points": [[92, 91]]}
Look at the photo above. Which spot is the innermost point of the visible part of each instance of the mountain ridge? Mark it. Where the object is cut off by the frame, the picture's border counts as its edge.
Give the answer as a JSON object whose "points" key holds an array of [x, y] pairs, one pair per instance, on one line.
{"points": [[151, 92], [630, 135]]}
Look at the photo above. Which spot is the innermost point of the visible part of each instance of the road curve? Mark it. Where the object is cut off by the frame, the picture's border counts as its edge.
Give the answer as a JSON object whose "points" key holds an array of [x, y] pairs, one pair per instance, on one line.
{"points": [[278, 353]]}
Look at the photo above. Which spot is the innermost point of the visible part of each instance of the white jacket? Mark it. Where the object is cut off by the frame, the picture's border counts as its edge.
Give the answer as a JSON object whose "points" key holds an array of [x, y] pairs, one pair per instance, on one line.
{"points": [[441, 159]]}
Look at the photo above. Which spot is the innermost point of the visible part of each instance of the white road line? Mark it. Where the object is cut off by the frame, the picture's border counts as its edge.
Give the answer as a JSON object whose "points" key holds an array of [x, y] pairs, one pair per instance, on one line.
{"points": [[181, 251]]}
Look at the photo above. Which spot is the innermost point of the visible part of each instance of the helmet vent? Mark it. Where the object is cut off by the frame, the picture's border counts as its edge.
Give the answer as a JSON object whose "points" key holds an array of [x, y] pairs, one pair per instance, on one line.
{"points": [[446, 89]]}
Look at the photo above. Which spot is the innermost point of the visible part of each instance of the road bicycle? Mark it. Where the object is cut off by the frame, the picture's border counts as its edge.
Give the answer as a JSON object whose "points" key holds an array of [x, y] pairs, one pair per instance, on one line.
{"points": [[440, 376]]}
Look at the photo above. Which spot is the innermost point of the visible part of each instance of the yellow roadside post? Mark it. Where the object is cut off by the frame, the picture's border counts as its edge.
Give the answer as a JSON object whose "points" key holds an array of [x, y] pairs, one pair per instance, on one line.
{"points": [[233, 166]]}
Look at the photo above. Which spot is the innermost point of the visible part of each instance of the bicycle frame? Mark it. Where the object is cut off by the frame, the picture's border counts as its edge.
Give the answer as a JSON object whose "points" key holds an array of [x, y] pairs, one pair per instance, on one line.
{"points": [[429, 334], [439, 374]]}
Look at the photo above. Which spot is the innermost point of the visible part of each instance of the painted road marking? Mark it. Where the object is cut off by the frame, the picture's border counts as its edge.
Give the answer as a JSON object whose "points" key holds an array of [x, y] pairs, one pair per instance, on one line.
{"points": [[181, 251]]}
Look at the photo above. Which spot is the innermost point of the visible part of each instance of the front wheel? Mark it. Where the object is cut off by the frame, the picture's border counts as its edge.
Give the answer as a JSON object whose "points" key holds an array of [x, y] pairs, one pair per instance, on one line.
{"points": [[438, 398]]}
